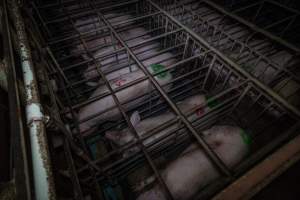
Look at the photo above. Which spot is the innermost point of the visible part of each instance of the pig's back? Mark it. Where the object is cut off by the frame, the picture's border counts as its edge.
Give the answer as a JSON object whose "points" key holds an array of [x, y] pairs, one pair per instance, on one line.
{"points": [[189, 173]]}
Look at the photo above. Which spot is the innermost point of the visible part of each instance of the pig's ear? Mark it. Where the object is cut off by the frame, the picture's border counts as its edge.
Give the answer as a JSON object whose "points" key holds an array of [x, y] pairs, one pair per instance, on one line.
{"points": [[112, 135], [135, 118]]}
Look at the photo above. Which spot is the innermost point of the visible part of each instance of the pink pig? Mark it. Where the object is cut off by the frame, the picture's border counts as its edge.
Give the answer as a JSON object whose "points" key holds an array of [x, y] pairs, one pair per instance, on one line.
{"points": [[192, 170]]}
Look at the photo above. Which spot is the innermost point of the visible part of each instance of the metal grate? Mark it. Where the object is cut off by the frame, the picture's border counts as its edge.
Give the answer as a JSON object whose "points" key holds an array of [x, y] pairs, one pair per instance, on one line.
{"points": [[278, 17], [89, 44], [266, 57]]}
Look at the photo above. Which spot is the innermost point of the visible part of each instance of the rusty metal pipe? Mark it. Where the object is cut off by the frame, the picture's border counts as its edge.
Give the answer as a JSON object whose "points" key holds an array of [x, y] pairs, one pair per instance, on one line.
{"points": [[42, 172]]}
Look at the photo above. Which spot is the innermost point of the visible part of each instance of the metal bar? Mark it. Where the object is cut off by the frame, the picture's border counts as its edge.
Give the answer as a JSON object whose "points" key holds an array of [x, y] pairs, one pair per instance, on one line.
{"points": [[157, 128], [258, 10], [217, 161], [75, 181], [246, 7], [284, 7], [19, 161], [57, 40], [279, 22], [245, 46], [281, 34], [88, 11], [263, 173], [68, 142], [120, 107], [42, 171], [97, 114], [236, 67], [82, 143], [254, 27]]}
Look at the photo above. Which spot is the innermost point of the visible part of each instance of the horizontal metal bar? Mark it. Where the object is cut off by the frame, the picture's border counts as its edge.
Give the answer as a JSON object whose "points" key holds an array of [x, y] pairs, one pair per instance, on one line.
{"points": [[247, 7], [284, 6], [82, 13], [199, 139], [263, 173], [236, 67], [254, 27]]}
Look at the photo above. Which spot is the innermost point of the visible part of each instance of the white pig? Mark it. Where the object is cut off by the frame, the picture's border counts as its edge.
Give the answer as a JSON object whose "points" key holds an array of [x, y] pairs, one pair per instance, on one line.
{"points": [[142, 127], [144, 52], [193, 169], [128, 35], [88, 25], [123, 96]]}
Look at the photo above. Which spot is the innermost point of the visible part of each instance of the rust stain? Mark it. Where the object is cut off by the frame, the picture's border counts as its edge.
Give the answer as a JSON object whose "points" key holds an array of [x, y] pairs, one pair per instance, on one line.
{"points": [[33, 97], [44, 151]]}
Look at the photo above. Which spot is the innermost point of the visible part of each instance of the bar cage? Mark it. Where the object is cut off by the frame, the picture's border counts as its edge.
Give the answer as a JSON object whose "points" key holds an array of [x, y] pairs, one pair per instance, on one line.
{"points": [[74, 38]]}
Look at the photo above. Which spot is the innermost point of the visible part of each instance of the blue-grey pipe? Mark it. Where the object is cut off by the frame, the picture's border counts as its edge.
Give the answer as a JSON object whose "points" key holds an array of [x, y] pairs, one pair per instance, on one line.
{"points": [[42, 171]]}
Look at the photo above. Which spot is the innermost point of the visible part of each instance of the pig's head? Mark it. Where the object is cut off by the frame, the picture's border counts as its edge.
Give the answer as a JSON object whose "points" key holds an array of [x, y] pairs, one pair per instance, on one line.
{"points": [[124, 136], [231, 143]]}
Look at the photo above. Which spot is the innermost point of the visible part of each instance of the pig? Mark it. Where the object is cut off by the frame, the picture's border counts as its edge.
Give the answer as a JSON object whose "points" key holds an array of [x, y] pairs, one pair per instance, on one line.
{"points": [[144, 53], [193, 170], [266, 72], [89, 24], [237, 32], [125, 136], [123, 96]]}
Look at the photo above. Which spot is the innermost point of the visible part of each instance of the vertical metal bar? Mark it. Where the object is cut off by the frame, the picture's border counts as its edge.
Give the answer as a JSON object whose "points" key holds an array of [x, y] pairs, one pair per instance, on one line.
{"points": [[253, 26], [231, 63], [76, 185], [116, 101], [81, 140], [67, 150], [42, 171], [258, 11], [212, 62], [281, 34], [216, 160], [19, 161]]}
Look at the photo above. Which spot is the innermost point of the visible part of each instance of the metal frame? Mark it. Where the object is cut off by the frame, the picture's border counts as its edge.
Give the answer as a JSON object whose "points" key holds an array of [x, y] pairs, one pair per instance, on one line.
{"points": [[235, 82], [290, 16], [42, 171], [237, 45], [19, 161], [262, 174]]}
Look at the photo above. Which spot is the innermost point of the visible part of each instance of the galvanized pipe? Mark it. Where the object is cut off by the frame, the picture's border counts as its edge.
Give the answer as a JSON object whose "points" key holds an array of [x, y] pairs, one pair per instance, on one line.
{"points": [[19, 161], [42, 171]]}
